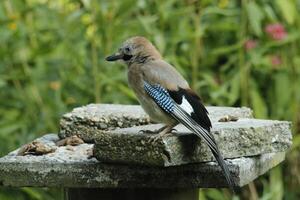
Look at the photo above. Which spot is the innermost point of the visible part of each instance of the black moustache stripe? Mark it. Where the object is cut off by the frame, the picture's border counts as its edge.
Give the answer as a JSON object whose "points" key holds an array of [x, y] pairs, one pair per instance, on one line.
{"points": [[127, 57]]}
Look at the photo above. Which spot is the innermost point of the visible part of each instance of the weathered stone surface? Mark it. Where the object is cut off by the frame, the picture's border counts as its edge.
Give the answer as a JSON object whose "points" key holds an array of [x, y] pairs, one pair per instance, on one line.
{"points": [[83, 121], [246, 137], [70, 167]]}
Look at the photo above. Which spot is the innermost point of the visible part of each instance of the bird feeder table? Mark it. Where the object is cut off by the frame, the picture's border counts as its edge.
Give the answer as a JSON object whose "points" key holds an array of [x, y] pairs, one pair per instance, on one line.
{"points": [[118, 161]]}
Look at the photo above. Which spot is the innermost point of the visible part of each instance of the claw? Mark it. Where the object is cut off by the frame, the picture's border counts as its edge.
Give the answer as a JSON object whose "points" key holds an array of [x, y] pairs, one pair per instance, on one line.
{"points": [[160, 136], [159, 133], [155, 138], [174, 130]]}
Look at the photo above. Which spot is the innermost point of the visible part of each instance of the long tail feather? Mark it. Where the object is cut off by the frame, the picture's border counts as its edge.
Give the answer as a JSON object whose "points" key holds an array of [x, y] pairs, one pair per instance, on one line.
{"points": [[184, 118]]}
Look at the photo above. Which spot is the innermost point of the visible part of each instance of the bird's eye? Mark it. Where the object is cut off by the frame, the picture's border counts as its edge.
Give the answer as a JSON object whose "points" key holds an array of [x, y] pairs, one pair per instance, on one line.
{"points": [[127, 50]]}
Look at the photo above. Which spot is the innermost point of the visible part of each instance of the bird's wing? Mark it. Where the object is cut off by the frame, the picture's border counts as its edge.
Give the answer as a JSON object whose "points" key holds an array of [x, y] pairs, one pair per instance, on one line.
{"points": [[187, 109], [164, 74], [161, 72]]}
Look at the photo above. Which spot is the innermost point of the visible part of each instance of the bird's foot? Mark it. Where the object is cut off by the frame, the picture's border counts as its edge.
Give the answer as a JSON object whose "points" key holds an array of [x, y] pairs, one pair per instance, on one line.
{"points": [[157, 137], [166, 131]]}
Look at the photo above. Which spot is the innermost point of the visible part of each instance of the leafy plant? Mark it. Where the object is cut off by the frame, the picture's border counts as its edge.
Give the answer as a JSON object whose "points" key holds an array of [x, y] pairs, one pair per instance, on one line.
{"points": [[234, 53]]}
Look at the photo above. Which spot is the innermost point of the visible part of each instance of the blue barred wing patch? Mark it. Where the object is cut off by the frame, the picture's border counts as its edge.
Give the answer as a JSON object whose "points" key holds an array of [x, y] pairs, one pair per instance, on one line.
{"points": [[161, 96]]}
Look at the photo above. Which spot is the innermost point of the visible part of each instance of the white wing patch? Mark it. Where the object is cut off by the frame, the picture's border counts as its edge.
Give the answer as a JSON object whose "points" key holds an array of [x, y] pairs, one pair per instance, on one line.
{"points": [[186, 106]]}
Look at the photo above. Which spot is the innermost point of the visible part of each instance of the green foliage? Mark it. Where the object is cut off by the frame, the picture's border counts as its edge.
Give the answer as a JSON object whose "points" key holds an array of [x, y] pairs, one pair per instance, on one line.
{"points": [[52, 60]]}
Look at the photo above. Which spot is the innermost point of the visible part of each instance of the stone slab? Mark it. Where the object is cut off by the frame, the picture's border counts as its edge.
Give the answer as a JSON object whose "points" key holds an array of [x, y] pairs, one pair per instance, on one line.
{"points": [[84, 120], [70, 167], [246, 137]]}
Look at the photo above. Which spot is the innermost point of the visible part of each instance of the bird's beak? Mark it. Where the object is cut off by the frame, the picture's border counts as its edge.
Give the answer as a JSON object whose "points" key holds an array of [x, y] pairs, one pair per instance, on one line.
{"points": [[114, 57]]}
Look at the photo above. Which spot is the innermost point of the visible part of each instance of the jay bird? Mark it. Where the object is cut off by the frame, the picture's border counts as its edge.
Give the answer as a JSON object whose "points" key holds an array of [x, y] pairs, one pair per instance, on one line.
{"points": [[165, 95]]}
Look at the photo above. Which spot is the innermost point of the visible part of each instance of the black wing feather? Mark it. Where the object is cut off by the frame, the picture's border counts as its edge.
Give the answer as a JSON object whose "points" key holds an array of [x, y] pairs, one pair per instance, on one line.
{"points": [[200, 113]]}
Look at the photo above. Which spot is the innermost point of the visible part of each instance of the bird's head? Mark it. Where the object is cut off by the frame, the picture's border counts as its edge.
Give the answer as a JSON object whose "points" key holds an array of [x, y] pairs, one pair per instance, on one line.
{"points": [[135, 49]]}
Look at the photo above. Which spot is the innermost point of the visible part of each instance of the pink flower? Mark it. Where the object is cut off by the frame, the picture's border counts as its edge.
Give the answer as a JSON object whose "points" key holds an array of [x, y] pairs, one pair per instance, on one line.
{"points": [[250, 44], [276, 60], [276, 31]]}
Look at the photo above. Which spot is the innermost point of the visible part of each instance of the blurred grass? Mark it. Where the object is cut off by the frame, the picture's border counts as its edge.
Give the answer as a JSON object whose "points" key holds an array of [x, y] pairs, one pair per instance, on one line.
{"points": [[52, 60]]}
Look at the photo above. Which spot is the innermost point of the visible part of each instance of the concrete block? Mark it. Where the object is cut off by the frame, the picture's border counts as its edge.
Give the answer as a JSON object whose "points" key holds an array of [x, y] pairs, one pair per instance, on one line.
{"points": [[70, 167], [87, 120], [246, 137]]}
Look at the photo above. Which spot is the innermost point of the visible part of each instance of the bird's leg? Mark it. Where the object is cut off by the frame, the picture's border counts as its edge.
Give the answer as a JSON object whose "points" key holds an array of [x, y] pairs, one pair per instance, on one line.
{"points": [[155, 131], [167, 130]]}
